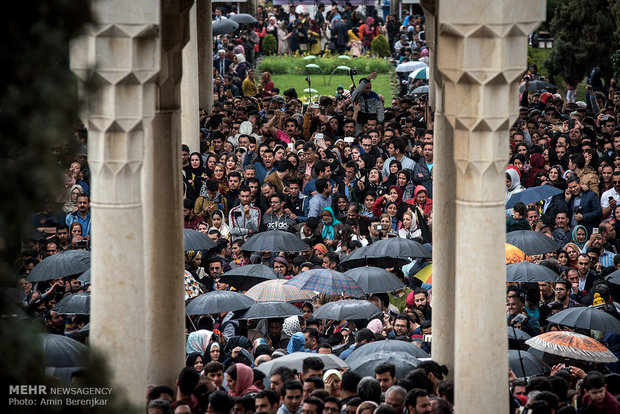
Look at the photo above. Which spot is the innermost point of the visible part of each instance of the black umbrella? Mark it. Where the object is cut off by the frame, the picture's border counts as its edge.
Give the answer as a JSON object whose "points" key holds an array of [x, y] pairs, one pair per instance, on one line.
{"points": [[195, 240], [243, 18], [67, 263], [218, 301], [529, 272], [224, 26], [524, 364], [613, 277], [517, 338], [347, 309], [262, 310], [537, 85], [531, 242], [375, 279], [387, 346], [402, 361], [532, 195], [397, 248], [275, 241], [358, 258], [420, 89], [586, 318], [77, 303], [245, 277], [62, 351], [85, 277]]}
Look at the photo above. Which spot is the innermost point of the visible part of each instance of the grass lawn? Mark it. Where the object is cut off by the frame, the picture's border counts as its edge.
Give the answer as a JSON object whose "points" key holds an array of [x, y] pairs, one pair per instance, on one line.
{"points": [[381, 85]]}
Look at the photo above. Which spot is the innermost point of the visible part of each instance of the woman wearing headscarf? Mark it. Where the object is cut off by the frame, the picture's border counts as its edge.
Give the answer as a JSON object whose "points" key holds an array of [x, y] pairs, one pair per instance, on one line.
{"points": [[240, 67], [71, 203], [579, 235], [240, 381], [198, 341], [354, 44], [297, 343], [367, 32], [513, 182], [395, 195], [406, 186], [537, 169], [195, 360], [237, 350], [213, 352], [193, 260], [329, 227], [314, 37], [394, 167]]}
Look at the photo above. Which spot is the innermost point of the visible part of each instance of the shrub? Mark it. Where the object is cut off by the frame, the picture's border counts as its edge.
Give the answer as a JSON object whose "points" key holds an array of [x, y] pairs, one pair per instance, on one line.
{"points": [[380, 47], [270, 45]]}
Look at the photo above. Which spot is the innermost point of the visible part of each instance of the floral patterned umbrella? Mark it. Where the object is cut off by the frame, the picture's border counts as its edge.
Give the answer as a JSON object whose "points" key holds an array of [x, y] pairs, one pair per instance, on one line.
{"points": [[572, 345]]}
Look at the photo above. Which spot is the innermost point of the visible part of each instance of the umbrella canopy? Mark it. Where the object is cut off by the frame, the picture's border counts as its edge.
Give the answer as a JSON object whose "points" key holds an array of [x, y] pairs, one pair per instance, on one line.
{"points": [[572, 345], [613, 277], [218, 301], [358, 258], [531, 242], [532, 195], [296, 360], [243, 18], [524, 364], [195, 240], [77, 303], [347, 309], [426, 274], [538, 85], [310, 90], [402, 361], [85, 277], [375, 279], [67, 263], [262, 310], [419, 73], [397, 248], [517, 338], [62, 351], [386, 346], [529, 272], [420, 89], [275, 241], [224, 26], [86, 328], [244, 277], [410, 66], [586, 318], [278, 291], [514, 254], [327, 281]]}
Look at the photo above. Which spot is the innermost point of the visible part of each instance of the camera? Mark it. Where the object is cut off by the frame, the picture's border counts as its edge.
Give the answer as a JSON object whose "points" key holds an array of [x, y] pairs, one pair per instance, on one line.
{"points": [[308, 79], [578, 210], [424, 98], [352, 72], [81, 244]]}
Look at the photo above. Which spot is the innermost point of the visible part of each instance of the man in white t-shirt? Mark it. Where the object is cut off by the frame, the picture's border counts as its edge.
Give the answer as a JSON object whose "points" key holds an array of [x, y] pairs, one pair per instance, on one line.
{"points": [[611, 197]]}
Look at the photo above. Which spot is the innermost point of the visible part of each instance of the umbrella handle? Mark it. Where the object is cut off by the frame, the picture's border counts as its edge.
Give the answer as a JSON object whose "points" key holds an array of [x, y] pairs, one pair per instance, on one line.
{"points": [[514, 332], [192, 322]]}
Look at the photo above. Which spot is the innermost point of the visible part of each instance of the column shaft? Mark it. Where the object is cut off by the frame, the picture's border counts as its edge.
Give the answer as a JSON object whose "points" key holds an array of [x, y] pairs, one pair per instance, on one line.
{"points": [[117, 54], [205, 54], [481, 53], [163, 217], [190, 117]]}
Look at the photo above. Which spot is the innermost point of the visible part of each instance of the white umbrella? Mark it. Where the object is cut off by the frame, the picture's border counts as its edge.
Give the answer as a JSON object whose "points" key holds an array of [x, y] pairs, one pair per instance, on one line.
{"points": [[419, 73], [410, 66]]}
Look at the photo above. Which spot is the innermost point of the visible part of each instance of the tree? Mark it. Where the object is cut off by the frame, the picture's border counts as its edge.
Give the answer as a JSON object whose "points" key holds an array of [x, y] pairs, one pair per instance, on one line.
{"points": [[379, 46], [585, 37], [270, 45]]}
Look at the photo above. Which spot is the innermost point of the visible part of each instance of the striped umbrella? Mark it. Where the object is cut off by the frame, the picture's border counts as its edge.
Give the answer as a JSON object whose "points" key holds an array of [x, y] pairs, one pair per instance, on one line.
{"points": [[572, 345], [419, 73], [327, 281], [277, 290]]}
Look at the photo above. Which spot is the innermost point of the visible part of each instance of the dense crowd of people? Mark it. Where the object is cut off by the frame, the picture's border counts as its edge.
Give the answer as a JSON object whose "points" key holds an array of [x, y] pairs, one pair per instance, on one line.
{"points": [[343, 173]]}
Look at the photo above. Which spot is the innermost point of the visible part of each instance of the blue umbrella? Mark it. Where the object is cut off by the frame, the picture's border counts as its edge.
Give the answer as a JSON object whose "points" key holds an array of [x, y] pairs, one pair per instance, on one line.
{"points": [[532, 195], [327, 281]]}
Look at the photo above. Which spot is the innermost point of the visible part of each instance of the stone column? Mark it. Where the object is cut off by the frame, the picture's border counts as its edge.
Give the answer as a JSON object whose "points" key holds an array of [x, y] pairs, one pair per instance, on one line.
{"points": [[190, 117], [118, 54], [444, 209], [481, 54], [205, 54], [163, 217]]}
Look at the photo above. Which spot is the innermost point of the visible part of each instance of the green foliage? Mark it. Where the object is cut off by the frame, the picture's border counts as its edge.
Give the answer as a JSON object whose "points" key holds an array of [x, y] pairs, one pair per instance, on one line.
{"points": [[583, 39], [279, 65], [270, 45], [615, 62], [539, 58], [380, 47]]}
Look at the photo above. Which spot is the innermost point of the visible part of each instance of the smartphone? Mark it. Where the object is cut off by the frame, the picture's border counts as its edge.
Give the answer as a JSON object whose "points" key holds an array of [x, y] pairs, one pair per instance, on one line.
{"points": [[595, 230], [610, 197], [318, 135], [290, 146], [314, 106], [350, 140], [403, 121]]}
